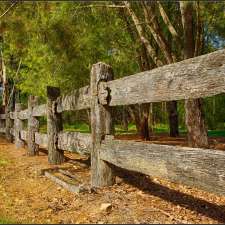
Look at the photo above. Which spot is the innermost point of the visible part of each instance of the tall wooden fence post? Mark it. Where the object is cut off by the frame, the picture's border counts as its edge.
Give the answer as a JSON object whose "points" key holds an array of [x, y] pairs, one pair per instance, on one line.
{"points": [[101, 124], [54, 126], [18, 126], [8, 125], [33, 126]]}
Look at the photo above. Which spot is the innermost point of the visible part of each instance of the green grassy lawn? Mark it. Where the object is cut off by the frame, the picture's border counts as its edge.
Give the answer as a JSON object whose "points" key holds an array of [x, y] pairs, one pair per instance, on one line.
{"points": [[160, 128]]}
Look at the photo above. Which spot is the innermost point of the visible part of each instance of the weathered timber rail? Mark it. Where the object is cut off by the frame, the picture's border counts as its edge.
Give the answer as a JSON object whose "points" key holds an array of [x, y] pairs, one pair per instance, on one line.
{"points": [[198, 77]]}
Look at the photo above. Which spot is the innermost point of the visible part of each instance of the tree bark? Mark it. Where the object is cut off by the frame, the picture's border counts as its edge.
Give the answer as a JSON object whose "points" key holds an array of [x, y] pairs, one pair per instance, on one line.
{"points": [[144, 40], [54, 126], [173, 118], [197, 132], [155, 30], [125, 118], [170, 26]]}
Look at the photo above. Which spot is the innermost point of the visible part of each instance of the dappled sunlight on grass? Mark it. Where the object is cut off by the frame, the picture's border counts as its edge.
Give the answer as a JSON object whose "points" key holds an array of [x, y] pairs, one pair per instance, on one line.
{"points": [[159, 128]]}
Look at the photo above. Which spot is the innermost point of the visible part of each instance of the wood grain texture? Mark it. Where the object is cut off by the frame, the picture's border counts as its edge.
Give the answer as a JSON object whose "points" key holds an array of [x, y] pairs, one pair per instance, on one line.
{"points": [[12, 115], [77, 100], [23, 135], [33, 127], [70, 187], [8, 125], [2, 116], [101, 124], [192, 78], [2, 130], [24, 114], [200, 168], [40, 110], [12, 131], [41, 140], [75, 142], [54, 126], [18, 126]]}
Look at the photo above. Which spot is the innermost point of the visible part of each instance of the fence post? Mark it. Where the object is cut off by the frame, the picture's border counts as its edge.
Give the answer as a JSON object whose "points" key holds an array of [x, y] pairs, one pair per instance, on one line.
{"points": [[33, 126], [2, 121], [101, 124], [54, 126], [8, 125], [18, 126]]}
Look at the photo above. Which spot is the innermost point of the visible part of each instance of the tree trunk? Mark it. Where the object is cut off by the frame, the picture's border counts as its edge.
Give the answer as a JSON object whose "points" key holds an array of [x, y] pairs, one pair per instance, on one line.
{"points": [[197, 132], [125, 118], [134, 111], [173, 118], [144, 111]]}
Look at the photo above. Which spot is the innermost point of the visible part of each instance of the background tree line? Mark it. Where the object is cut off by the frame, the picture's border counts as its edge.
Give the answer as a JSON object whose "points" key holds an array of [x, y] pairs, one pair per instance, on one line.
{"points": [[52, 43]]}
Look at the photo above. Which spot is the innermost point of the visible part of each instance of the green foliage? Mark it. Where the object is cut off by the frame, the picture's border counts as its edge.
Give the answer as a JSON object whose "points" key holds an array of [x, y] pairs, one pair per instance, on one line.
{"points": [[58, 42]]}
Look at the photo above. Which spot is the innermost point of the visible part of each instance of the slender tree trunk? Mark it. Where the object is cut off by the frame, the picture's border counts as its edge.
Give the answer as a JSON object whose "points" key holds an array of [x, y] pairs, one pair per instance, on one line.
{"points": [[153, 25], [135, 115], [197, 132], [5, 94], [125, 118]]}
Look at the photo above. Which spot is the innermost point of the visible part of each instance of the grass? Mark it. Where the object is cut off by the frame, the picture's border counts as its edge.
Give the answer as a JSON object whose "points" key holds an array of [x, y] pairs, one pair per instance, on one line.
{"points": [[159, 128], [4, 220]]}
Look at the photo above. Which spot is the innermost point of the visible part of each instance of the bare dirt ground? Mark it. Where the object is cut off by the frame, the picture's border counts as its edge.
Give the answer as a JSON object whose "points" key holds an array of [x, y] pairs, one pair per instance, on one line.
{"points": [[26, 196]]}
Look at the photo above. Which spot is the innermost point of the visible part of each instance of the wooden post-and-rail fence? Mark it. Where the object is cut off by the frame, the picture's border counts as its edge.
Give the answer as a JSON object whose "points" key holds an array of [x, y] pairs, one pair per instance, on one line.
{"points": [[197, 77]]}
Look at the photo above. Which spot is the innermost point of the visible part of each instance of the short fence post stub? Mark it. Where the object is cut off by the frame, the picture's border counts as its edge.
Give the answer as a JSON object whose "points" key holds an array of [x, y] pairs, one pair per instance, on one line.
{"points": [[18, 126], [54, 126], [8, 125], [101, 124], [2, 121], [33, 126]]}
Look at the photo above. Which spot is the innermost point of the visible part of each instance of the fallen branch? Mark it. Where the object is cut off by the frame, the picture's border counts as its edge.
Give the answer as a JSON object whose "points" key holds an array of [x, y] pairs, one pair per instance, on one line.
{"points": [[107, 6], [64, 184], [7, 10]]}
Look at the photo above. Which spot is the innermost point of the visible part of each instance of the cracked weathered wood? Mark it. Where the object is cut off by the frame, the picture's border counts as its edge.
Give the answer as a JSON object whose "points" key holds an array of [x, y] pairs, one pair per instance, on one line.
{"points": [[8, 125], [41, 140], [18, 126], [12, 115], [24, 135], [200, 168], [33, 126], [77, 100], [54, 126], [40, 110], [23, 115], [192, 78], [2, 116], [70, 187], [101, 124], [2, 130], [75, 142], [12, 131]]}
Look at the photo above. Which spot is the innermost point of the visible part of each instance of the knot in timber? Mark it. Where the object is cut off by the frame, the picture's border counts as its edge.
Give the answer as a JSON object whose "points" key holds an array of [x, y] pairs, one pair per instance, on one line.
{"points": [[103, 93]]}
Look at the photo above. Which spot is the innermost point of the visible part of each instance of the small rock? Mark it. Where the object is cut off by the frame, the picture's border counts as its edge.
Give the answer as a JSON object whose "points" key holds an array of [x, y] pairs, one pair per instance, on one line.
{"points": [[106, 207]]}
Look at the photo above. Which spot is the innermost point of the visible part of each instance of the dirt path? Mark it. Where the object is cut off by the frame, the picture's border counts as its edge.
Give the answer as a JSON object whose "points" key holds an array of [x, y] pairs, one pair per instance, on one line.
{"points": [[28, 197]]}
